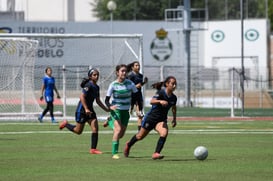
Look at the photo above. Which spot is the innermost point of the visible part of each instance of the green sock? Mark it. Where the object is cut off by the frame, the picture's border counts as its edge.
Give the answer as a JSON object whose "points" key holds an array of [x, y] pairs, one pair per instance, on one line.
{"points": [[115, 145]]}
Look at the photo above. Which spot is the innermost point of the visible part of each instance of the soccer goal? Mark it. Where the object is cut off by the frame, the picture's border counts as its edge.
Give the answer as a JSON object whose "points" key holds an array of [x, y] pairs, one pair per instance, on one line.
{"points": [[71, 55], [17, 60]]}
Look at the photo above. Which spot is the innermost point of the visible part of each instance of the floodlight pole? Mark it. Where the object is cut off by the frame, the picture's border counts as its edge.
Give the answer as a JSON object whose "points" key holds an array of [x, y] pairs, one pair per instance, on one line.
{"points": [[242, 77], [187, 57], [111, 6]]}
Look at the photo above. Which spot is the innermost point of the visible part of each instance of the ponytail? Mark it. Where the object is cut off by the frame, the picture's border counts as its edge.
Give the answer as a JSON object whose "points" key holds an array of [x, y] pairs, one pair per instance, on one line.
{"points": [[84, 81], [157, 85]]}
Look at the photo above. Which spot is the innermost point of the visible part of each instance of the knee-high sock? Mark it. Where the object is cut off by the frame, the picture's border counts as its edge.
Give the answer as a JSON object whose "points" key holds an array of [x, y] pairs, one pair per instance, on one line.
{"points": [[70, 127], [94, 140], [160, 144], [115, 145], [132, 141]]}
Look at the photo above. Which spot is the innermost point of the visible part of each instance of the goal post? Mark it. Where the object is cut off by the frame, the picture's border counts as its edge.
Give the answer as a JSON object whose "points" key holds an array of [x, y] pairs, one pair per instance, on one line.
{"points": [[71, 55], [17, 60]]}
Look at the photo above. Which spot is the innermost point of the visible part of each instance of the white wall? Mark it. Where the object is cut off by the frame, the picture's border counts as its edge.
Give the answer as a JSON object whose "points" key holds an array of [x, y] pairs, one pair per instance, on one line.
{"points": [[51, 10]]}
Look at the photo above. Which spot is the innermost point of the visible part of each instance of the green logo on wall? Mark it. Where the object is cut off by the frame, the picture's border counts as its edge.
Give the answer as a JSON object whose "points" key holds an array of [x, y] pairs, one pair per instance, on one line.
{"points": [[252, 35], [217, 36], [161, 47]]}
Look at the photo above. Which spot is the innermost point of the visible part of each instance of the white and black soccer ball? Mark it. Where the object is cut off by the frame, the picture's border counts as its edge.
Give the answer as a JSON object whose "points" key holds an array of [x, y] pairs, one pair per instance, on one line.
{"points": [[200, 153]]}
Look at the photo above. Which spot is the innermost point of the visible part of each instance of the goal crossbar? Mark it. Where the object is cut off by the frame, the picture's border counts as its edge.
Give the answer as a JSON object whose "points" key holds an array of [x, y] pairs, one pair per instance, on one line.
{"points": [[38, 35]]}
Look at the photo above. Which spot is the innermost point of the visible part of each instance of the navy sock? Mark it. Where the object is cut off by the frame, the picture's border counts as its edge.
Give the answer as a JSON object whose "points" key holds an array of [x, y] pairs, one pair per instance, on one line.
{"points": [[160, 143], [70, 127], [94, 140], [132, 141]]}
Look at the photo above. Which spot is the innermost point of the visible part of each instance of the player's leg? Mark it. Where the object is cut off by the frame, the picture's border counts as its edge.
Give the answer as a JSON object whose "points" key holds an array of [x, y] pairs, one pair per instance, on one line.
{"points": [[51, 109], [137, 137], [40, 118], [162, 129], [94, 136], [80, 122]]}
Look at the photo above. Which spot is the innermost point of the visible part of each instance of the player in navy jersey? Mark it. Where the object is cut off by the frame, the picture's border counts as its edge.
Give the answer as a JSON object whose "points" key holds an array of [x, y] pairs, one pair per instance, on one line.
{"points": [[157, 117], [85, 111], [137, 99], [47, 92]]}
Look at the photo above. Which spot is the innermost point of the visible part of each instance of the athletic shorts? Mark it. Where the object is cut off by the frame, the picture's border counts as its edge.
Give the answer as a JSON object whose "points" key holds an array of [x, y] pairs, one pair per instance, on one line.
{"points": [[137, 99], [149, 124], [122, 115], [82, 118]]}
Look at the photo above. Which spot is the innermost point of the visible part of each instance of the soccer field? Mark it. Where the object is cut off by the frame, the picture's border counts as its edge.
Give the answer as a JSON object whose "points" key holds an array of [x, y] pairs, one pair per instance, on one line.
{"points": [[238, 150]]}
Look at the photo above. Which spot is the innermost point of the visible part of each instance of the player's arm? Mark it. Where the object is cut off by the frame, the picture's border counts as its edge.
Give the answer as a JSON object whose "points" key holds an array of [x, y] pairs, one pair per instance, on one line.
{"points": [[156, 100], [174, 116], [42, 92], [107, 109], [145, 81], [58, 95], [107, 101], [83, 101]]}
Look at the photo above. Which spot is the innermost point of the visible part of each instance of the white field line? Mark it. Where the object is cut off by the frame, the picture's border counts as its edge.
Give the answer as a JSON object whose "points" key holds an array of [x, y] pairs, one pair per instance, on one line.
{"points": [[210, 130], [203, 131]]}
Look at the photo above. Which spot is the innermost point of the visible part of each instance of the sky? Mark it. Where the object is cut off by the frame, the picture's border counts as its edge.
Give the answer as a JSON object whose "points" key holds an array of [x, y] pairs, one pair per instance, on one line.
{"points": [[51, 10]]}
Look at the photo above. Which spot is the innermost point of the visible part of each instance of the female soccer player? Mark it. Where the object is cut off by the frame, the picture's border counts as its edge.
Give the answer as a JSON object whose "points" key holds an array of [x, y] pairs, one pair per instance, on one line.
{"points": [[121, 90], [137, 98], [47, 91], [156, 118], [85, 111]]}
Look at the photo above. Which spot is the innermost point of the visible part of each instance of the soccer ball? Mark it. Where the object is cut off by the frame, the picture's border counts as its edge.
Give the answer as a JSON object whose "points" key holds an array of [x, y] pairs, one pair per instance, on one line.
{"points": [[200, 153]]}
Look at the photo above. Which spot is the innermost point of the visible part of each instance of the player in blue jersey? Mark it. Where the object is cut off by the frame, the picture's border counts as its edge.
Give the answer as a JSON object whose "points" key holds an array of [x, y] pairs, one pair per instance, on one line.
{"points": [[47, 93], [157, 117], [121, 91], [137, 99], [85, 111]]}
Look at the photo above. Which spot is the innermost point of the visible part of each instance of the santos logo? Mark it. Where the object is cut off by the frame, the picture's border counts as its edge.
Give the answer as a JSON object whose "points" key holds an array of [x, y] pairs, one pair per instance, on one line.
{"points": [[161, 47]]}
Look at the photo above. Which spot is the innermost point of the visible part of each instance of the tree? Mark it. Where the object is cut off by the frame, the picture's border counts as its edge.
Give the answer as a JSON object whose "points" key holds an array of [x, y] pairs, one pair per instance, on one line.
{"points": [[154, 10], [135, 9]]}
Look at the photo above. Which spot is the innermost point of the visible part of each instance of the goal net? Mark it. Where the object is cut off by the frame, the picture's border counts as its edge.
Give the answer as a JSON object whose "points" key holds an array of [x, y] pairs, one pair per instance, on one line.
{"points": [[17, 60], [70, 56]]}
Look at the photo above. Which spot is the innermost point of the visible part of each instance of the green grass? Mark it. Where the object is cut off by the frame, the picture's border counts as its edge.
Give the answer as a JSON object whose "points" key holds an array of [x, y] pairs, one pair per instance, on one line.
{"points": [[199, 112], [238, 150]]}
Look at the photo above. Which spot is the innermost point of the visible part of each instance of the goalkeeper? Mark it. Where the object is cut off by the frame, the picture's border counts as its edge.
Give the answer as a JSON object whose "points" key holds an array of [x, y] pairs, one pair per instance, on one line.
{"points": [[47, 92]]}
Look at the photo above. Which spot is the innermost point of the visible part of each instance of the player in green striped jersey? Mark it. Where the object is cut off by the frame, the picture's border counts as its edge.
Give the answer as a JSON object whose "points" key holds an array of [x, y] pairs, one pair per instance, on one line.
{"points": [[121, 90]]}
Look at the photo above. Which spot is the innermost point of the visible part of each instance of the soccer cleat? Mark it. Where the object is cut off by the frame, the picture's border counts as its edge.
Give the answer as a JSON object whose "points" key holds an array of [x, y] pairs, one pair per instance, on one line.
{"points": [[126, 150], [40, 119], [95, 151], [115, 156], [63, 124], [156, 156]]}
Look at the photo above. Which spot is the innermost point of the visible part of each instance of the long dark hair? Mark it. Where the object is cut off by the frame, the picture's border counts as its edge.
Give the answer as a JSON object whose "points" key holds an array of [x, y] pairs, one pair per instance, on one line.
{"points": [[130, 65], [158, 85]]}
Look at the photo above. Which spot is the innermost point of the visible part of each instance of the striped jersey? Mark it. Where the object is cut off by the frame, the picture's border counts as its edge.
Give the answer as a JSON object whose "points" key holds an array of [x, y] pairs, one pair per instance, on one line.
{"points": [[121, 92]]}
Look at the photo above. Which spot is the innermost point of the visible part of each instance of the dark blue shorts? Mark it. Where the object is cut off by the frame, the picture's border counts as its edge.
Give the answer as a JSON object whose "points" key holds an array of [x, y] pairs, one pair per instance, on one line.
{"points": [[149, 123], [83, 118]]}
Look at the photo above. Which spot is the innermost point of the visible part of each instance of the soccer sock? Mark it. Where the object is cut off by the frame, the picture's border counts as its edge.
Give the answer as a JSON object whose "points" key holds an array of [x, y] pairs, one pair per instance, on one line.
{"points": [[70, 127], [132, 141], [160, 143], [94, 140], [115, 145]]}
